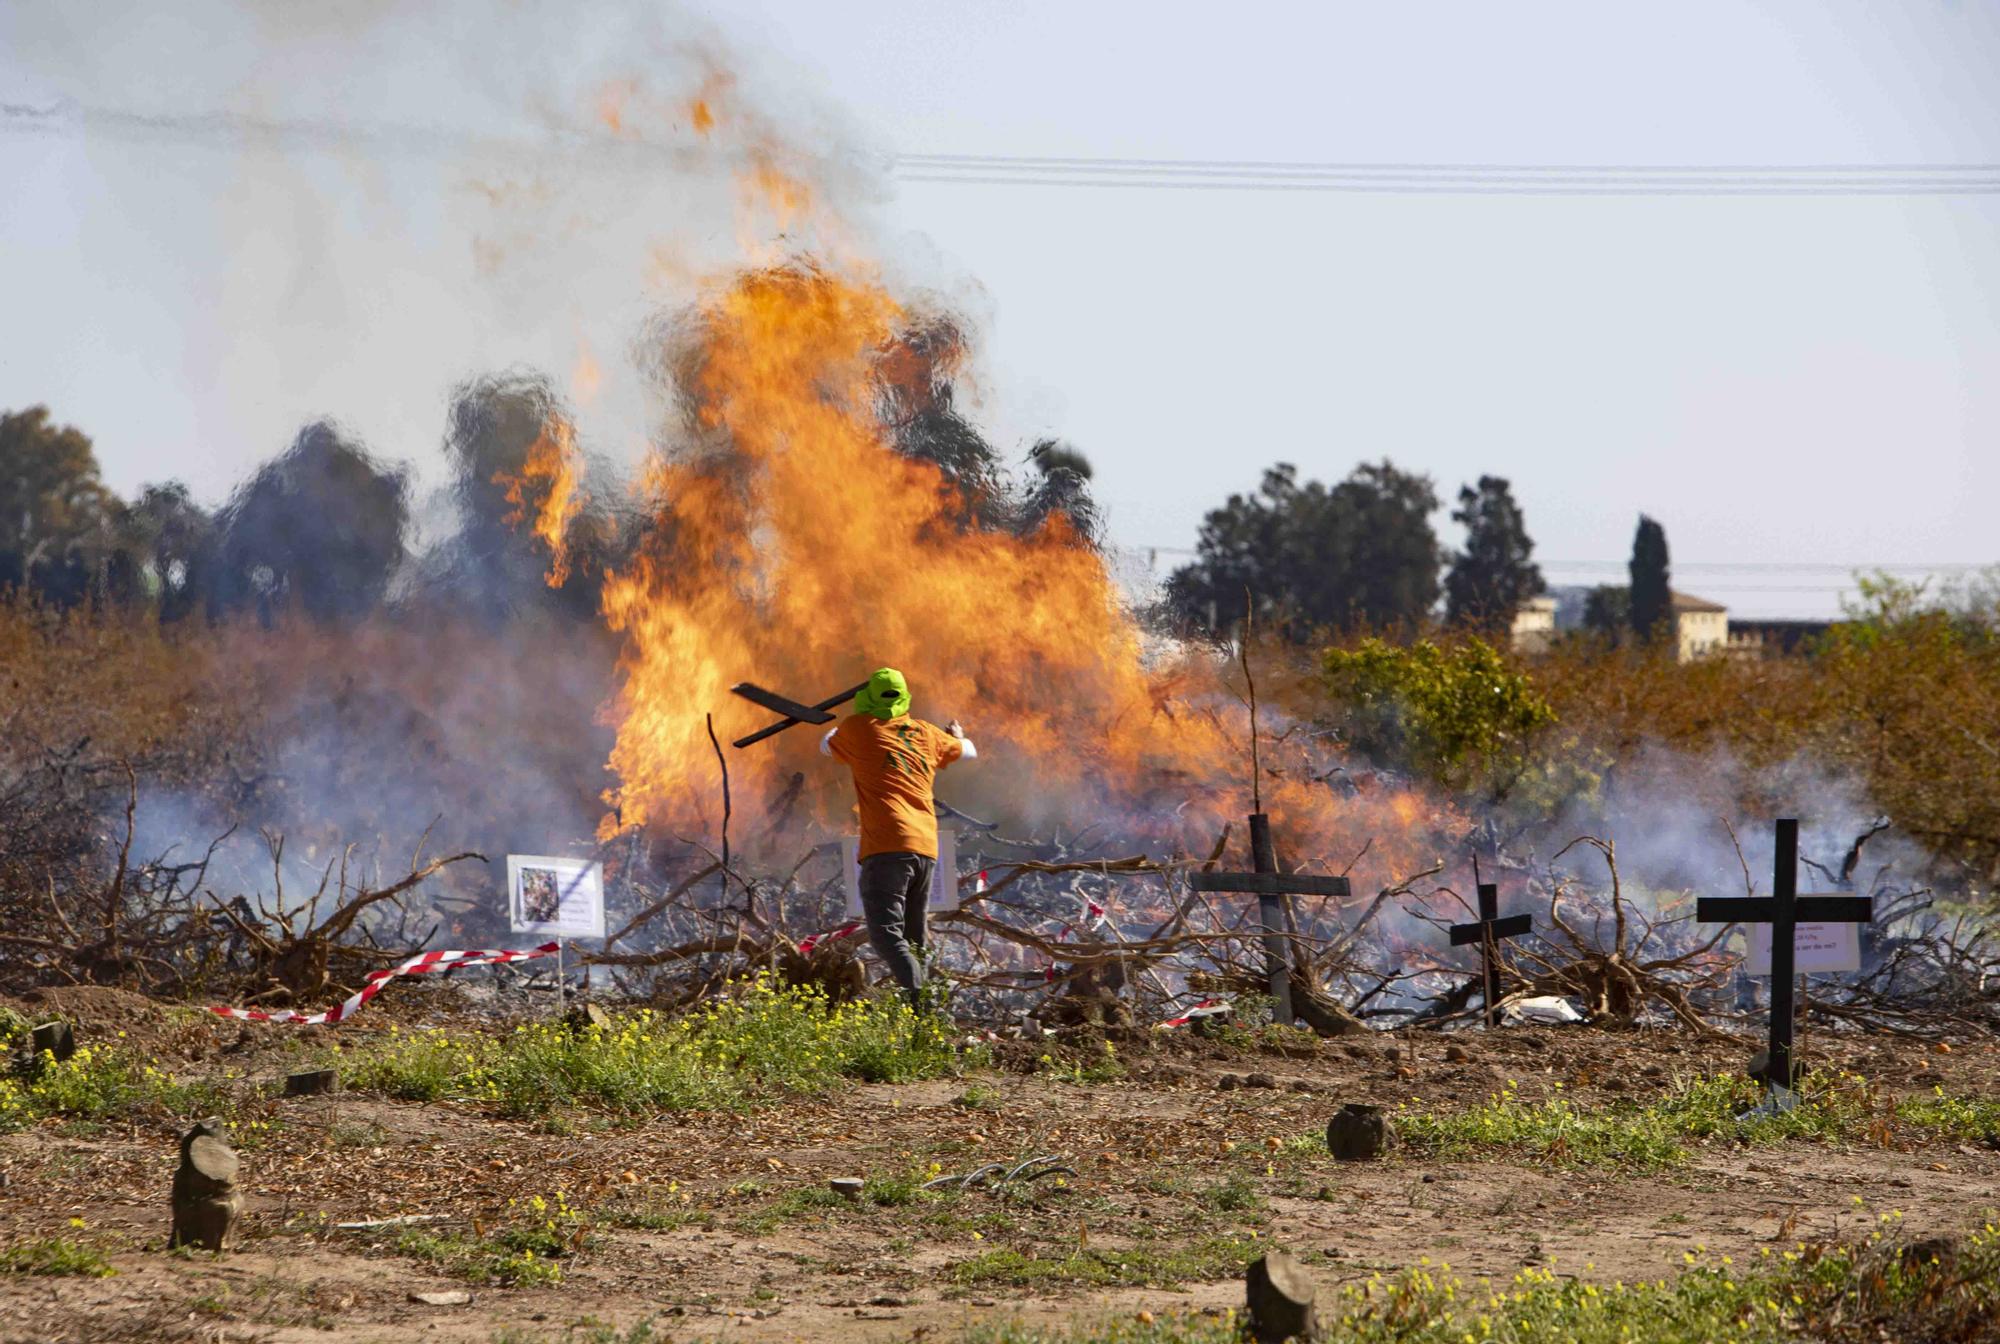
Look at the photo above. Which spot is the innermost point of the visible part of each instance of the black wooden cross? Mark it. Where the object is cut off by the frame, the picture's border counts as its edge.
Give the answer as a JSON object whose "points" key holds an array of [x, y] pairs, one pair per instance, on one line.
{"points": [[794, 712], [1271, 887], [1784, 910], [1487, 931]]}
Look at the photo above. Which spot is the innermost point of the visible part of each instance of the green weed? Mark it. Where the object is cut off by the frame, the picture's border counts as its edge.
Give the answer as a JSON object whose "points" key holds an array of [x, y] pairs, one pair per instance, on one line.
{"points": [[1643, 1137], [102, 1082], [1145, 1328], [524, 1251], [1140, 1267], [1976, 1119], [55, 1256], [977, 1097], [767, 1040], [1814, 1292], [1103, 1068], [1233, 1194]]}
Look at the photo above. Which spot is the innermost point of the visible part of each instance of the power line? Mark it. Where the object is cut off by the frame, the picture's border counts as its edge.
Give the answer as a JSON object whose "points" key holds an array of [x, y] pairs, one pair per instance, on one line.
{"points": [[1293, 165], [1794, 566], [1761, 566], [1820, 179]]}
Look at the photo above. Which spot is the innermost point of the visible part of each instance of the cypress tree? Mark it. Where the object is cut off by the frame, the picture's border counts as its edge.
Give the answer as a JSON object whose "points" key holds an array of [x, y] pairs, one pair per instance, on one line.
{"points": [[1652, 597]]}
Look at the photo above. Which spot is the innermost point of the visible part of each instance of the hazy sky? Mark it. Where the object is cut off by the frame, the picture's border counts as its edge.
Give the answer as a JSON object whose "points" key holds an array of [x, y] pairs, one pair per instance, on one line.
{"points": [[242, 219]]}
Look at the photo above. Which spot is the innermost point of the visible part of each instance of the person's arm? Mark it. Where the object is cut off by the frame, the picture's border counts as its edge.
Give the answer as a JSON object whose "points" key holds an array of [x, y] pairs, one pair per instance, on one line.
{"points": [[966, 751], [826, 743]]}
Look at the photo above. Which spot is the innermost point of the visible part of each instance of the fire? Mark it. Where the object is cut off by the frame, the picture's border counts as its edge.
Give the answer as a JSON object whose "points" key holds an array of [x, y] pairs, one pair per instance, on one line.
{"points": [[548, 487], [795, 547], [791, 544], [586, 378]]}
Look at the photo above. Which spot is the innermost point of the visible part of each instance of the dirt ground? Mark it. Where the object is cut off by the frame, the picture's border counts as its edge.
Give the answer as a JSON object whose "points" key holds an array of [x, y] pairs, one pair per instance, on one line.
{"points": [[721, 1225]]}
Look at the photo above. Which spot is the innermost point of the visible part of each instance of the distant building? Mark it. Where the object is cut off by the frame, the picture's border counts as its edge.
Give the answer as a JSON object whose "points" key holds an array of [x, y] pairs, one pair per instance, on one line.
{"points": [[1534, 628], [1701, 628], [1773, 639], [1571, 599]]}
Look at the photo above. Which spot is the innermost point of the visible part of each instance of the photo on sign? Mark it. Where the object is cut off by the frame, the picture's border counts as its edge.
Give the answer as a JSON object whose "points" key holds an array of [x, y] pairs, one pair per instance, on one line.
{"points": [[944, 875], [554, 896]]}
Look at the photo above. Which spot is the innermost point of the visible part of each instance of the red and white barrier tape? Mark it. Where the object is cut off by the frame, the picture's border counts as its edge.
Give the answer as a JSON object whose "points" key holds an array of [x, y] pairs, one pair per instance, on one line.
{"points": [[1206, 1008], [422, 964], [807, 944]]}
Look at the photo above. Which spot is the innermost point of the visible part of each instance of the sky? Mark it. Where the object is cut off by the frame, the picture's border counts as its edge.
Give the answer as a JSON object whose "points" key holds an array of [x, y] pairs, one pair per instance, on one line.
{"points": [[224, 221]]}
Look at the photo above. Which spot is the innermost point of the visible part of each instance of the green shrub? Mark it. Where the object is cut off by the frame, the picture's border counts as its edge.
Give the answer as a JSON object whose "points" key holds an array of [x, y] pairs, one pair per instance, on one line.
{"points": [[764, 1040], [1456, 714]]}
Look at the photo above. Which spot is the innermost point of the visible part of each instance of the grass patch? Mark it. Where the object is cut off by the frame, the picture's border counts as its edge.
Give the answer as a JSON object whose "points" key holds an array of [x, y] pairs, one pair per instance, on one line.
{"points": [[1976, 1119], [587, 1332], [1645, 1137], [1103, 1067], [56, 1256], [764, 1041], [1235, 1193], [1140, 1267], [1143, 1328], [1817, 1292], [978, 1097], [819, 1201], [106, 1082], [525, 1251], [657, 1211]]}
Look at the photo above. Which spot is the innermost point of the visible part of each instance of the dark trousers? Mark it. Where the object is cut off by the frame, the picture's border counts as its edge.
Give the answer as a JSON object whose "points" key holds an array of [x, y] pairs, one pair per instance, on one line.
{"points": [[895, 888]]}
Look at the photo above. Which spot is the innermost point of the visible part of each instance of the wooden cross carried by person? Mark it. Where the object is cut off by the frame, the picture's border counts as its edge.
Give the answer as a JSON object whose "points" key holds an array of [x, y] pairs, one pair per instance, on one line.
{"points": [[1784, 910], [794, 712], [1272, 887], [1487, 931]]}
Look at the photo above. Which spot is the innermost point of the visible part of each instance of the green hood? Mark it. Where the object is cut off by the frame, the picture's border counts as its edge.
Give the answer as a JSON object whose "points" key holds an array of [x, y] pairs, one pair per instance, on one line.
{"points": [[886, 695]]}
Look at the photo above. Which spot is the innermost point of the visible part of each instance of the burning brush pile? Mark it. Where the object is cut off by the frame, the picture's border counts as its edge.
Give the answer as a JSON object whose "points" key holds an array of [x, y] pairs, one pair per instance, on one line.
{"points": [[804, 519], [555, 678]]}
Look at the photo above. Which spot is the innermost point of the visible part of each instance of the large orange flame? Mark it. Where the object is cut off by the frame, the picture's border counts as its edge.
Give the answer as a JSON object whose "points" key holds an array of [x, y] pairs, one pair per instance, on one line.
{"points": [[795, 547], [548, 488]]}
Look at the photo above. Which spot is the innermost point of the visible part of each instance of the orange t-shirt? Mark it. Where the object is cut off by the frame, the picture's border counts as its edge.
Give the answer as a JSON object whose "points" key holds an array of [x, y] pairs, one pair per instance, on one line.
{"points": [[895, 762]]}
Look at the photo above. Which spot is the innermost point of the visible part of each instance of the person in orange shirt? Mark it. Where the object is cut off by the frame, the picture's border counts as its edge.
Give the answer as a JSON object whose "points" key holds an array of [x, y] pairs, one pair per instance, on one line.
{"points": [[895, 759]]}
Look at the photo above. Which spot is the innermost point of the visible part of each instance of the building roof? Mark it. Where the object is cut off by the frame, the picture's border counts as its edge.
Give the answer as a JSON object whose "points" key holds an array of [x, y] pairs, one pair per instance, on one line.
{"points": [[1683, 602]]}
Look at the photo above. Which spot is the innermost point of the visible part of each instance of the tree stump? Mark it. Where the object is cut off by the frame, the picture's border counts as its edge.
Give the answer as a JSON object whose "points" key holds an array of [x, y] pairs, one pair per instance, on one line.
{"points": [[1359, 1132], [205, 1201], [1280, 1299], [312, 1083], [53, 1038]]}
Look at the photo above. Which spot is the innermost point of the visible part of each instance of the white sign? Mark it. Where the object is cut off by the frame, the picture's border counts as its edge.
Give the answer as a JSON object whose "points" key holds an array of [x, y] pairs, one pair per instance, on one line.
{"points": [[944, 875], [1821, 949], [563, 898]]}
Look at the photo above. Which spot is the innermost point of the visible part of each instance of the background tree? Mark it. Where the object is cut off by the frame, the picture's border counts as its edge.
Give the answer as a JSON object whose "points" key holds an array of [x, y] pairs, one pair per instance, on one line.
{"points": [[1459, 716], [1061, 485], [1608, 610], [56, 516], [916, 401], [1652, 596], [495, 564], [319, 529], [1361, 554], [164, 540], [1494, 574]]}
